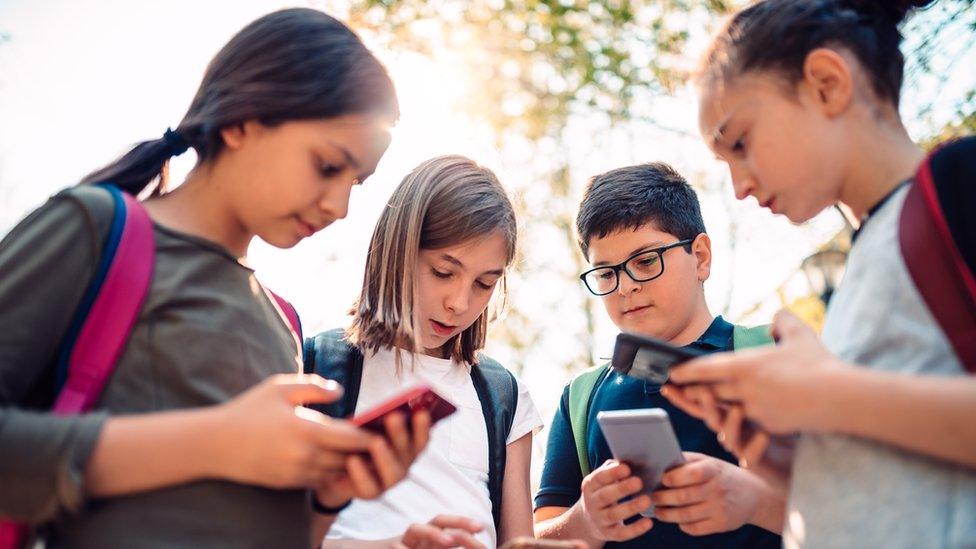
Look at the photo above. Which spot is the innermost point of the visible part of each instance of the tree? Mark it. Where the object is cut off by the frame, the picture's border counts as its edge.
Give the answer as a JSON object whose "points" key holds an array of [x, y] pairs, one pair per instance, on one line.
{"points": [[540, 63]]}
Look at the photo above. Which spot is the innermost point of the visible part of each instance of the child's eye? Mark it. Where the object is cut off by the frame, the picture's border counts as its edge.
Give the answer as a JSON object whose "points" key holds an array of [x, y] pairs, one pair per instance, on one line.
{"points": [[647, 262], [606, 275], [329, 170], [484, 285], [440, 274], [739, 146]]}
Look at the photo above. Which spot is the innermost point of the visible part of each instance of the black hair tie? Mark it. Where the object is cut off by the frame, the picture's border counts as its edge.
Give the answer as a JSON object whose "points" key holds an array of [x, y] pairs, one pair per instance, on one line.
{"points": [[175, 143]]}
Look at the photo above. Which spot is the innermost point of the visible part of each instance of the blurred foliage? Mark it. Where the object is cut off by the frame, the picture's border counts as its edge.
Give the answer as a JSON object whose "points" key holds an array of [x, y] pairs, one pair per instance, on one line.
{"points": [[965, 124], [538, 61], [811, 309], [532, 65]]}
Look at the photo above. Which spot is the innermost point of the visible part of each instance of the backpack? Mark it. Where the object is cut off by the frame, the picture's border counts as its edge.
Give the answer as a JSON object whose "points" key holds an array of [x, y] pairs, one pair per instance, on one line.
{"points": [[104, 320], [581, 388], [939, 252], [330, 355]]}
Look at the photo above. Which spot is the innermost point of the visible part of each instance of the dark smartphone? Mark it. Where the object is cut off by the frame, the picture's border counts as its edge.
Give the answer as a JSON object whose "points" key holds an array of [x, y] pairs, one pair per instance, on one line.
{"points": [[408, 402], [648, 358]]}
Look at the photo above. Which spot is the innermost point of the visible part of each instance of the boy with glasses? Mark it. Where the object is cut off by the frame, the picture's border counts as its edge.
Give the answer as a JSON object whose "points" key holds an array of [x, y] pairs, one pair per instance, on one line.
{"points": [[641, 229]]}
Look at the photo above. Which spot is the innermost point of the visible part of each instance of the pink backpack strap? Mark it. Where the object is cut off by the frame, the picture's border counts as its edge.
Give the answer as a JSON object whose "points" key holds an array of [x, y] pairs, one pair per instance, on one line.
{"points": [[106, 327], [291, 315], [937, 267], [112, 315]]}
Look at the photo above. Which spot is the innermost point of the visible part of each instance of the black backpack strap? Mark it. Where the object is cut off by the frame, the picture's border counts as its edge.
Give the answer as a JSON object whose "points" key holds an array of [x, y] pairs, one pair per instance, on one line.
{"points": [[498, 393], [936, 235], [331, 356]]}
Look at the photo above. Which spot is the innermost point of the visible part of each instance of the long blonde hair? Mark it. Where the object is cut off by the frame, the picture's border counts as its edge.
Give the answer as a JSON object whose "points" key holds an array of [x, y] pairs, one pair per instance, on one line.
{"points": [[443, 202]]}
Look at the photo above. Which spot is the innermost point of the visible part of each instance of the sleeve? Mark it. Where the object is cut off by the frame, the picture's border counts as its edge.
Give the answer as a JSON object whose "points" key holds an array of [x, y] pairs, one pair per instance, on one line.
{"points": [[527, 418], [46, 263], [561, 473]]}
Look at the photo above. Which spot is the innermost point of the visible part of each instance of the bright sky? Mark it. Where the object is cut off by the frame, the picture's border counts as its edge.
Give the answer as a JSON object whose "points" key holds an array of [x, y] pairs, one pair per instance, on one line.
{"points": [[81, 81]]}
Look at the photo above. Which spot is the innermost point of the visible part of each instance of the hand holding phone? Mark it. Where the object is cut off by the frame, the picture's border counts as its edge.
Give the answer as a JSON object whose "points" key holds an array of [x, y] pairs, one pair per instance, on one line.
{"points": [[644, 440]]}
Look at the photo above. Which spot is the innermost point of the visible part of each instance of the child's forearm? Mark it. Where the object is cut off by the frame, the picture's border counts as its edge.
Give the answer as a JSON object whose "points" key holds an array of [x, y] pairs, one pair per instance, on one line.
{"points": [[771, 511], [146, 452], [925, 414], [569, 525]]}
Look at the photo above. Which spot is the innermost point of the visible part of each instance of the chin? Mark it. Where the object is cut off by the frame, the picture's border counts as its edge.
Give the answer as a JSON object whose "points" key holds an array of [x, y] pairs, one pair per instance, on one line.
{"points": [[282, 242]]}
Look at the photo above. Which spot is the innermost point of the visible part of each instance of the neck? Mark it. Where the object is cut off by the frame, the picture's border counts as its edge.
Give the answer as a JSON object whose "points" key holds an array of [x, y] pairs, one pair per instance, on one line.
{"points": [[886, 157], [199, 207], [699, 321]]}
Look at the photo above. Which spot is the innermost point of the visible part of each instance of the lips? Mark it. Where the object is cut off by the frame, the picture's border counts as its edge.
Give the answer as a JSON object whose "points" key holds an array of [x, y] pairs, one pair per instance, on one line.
{"points": [[442, 329], [636, 309], [311, 228]]}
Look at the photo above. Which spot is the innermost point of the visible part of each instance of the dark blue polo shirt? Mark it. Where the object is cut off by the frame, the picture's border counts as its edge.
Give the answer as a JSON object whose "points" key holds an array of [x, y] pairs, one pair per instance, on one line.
{"points": [[561, 475]]}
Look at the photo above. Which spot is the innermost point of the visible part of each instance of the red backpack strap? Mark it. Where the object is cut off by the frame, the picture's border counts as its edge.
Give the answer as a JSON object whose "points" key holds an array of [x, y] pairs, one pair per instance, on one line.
{"points": [[114, 312], [936, 265]]}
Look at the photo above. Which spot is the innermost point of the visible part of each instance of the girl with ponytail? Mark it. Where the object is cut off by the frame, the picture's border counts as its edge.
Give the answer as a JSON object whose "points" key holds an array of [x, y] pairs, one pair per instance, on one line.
{"points": [[195, 440], [871, 429]]}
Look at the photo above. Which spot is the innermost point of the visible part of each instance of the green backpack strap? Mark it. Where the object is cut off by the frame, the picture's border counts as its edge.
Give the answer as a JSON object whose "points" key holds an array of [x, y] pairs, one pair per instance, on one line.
{"points": [[756, 336], [580, 391]]}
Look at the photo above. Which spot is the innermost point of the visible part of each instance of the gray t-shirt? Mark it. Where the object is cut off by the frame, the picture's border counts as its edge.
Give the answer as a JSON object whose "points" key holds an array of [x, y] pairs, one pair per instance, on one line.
{"points": [[207, 332], [852, 492]]}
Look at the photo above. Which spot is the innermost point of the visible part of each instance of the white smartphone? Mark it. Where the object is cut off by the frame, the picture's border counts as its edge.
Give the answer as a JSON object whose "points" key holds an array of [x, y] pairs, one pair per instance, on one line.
{"points": [[644, 440]]}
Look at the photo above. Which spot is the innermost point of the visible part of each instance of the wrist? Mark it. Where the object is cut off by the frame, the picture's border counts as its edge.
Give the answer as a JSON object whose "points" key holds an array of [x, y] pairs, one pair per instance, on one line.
{"points": [[770, 511], [580, 522], [214, 436], [324, 502]]}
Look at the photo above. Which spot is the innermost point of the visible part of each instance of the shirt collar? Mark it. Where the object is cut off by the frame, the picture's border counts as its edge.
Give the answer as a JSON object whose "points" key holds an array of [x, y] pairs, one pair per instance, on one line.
{"points": [[718, 336]]}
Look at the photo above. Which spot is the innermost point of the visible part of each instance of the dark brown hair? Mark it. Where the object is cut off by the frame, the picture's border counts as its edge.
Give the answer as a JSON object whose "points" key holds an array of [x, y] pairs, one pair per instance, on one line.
{"points": [[293, 64], [633, 196], [777, 35]]}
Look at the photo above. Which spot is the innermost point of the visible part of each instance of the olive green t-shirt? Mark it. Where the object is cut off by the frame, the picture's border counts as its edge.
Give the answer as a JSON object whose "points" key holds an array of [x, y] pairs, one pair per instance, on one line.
{"points": [[206, 332]]}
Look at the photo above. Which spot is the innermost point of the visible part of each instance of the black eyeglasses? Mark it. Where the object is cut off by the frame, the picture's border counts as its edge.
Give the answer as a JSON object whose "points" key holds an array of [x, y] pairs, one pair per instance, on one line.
{"points": [[640, 267]]}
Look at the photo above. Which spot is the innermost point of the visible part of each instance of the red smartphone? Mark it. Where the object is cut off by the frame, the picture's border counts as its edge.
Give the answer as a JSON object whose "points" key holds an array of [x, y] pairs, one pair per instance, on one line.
{"points": [[419, 398]]}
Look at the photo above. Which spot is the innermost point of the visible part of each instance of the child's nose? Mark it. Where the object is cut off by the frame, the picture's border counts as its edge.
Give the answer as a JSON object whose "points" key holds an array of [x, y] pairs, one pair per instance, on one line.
{"points": [[741, 181], [626, 284], [457, 301]]}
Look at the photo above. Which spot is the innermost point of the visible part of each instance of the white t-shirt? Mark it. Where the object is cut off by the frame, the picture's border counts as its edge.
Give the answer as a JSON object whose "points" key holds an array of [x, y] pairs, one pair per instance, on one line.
{"points": [[451, 475]]}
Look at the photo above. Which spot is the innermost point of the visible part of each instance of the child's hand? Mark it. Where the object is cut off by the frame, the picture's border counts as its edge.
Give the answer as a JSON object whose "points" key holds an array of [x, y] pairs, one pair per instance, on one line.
{"points": [[442, 531], [707, 495], [265, 437], [768, 457], [776, 386], [387, 462], [600, 504]]}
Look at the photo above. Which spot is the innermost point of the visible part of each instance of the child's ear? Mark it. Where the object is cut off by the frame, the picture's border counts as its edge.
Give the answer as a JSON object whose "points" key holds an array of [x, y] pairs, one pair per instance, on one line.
{"points": [[235, 135], [828, 79], [702, 250]]}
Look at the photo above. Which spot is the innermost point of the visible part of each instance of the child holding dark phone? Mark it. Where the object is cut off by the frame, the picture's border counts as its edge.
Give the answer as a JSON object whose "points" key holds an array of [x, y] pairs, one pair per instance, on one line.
{"points": [[871, 426], [440, 250]]}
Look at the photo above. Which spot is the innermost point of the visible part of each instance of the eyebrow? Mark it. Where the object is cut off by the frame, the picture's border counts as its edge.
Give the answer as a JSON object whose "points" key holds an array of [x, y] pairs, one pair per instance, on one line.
{"points": [[720, 132], [649, 246], [457, 262]]}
